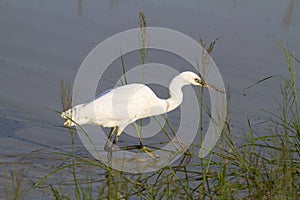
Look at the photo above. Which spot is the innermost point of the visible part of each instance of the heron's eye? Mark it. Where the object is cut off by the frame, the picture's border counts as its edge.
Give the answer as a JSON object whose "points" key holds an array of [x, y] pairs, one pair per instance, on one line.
{"points": [[197, 80]]}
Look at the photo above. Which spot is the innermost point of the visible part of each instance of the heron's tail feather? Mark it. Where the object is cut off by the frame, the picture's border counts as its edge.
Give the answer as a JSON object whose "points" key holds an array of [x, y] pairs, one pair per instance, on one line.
{"points": [[69, 116], [76, 115]]}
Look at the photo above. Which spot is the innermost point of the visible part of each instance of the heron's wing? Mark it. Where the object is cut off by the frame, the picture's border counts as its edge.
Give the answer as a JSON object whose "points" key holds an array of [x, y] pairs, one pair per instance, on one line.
{"points": [[118, 95], [121, 106], [103, 93], [121, 102]]}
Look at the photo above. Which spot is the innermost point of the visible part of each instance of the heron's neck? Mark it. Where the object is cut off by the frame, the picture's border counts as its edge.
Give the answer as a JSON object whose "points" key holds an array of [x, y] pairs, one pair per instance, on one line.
{"points": [[176, 95]]}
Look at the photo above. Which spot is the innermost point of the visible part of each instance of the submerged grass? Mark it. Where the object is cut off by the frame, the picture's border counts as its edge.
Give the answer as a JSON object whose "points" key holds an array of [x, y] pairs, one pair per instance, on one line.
{"points": [[15, 187]]}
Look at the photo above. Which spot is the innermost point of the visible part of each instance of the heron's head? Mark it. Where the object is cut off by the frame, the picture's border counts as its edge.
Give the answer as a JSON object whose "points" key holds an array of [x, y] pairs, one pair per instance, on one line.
{"points": [[194, 79]]}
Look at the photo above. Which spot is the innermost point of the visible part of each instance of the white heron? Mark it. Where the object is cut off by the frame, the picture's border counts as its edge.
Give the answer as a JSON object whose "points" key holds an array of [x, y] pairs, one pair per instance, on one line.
{"points": [[121, 106]]}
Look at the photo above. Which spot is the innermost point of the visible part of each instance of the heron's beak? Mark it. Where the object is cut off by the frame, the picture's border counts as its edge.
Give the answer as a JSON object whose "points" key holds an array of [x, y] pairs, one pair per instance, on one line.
{"points": [[214, 88]]}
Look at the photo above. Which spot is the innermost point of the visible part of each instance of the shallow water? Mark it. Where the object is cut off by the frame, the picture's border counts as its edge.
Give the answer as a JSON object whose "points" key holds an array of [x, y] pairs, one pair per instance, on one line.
{"points": [[44, 42]]}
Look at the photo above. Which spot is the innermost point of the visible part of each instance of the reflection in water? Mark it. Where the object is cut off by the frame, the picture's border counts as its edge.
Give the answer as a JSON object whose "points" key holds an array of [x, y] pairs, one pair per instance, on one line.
{"points": [[119, 185], [286, 21], [234, 2], [112, 3], [114, 183], [146, 159], [79, 13]]}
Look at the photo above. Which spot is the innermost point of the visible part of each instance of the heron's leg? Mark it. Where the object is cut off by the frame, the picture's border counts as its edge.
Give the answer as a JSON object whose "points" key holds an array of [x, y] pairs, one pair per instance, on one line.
{"points": [[117, 136], [141, 141], [112, 130]]}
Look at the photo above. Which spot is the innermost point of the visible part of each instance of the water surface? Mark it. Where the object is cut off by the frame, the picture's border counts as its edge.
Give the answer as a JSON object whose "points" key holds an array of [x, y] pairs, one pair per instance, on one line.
{"points": [[44, 42]]}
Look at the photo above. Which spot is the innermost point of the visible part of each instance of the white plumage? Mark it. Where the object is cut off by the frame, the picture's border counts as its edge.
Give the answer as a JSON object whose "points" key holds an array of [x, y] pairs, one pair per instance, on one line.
{"points": [[124, 105]]}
